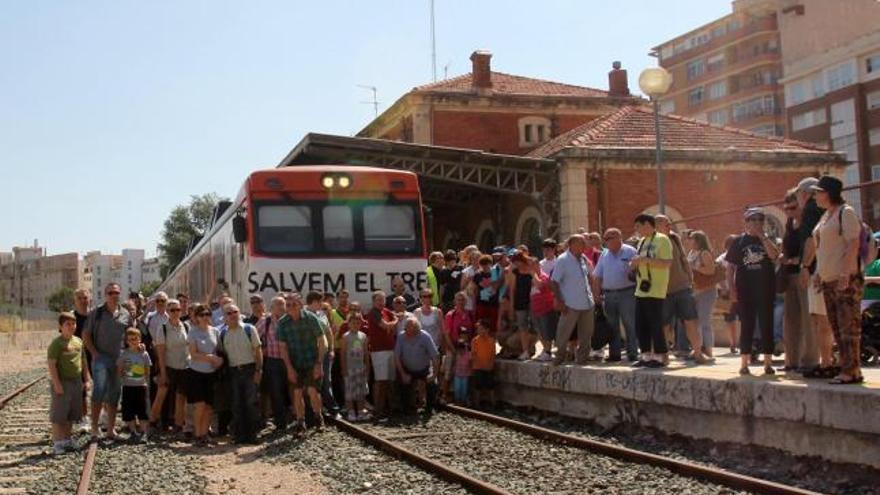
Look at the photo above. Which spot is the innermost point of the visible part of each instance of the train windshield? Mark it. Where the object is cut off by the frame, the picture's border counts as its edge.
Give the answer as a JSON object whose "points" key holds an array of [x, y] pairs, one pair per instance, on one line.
{"points": [[337, 228]]}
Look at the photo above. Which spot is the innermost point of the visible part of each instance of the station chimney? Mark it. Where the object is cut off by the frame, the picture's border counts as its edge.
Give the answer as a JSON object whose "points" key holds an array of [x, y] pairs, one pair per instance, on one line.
{"points": [[617, 81]]}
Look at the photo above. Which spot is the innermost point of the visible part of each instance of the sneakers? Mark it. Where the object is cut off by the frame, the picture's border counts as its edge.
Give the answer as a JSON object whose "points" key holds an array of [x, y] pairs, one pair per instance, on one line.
{"points": [[58, 448], [84, 426], [524, 356], [544, 357], [351, 416], [365, 415]]}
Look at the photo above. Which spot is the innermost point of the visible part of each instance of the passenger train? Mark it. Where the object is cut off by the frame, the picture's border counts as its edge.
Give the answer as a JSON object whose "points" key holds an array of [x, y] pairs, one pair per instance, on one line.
{"points": [[303, 228]]}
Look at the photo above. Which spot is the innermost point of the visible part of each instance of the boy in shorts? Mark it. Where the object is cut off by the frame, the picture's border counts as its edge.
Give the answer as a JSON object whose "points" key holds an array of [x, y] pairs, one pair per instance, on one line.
{"points": [[483, 364], [134, 368], [69, 376]]}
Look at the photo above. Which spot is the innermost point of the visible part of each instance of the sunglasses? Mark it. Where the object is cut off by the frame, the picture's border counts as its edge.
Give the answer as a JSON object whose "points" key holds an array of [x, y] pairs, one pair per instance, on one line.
{"points": [[204, 314], [174, 310], [230, 313], [113, 293]]}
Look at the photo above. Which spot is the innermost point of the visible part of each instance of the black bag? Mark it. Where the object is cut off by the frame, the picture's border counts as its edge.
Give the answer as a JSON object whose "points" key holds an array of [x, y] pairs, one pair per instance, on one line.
{"points": [[602, 331]]}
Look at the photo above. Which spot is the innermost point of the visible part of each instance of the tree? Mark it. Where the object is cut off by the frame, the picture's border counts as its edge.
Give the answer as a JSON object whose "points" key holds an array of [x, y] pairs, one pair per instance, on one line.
{"points": [[61, 300], [149, 288], [183, 224]]}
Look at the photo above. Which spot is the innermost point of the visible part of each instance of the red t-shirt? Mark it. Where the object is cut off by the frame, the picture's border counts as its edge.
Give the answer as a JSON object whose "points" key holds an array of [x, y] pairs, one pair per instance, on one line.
{"points": [[455, 320], [541, 297], [379, 338]]}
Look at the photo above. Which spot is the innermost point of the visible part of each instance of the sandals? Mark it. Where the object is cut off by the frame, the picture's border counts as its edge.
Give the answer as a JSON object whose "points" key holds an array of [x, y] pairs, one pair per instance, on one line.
{"points": [[744, 371], [847, 381], [768, 370], [817, 372]]}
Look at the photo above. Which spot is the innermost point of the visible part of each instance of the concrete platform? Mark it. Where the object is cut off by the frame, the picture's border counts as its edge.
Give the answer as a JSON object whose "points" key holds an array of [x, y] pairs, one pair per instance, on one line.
{"points": [[804, 417]]}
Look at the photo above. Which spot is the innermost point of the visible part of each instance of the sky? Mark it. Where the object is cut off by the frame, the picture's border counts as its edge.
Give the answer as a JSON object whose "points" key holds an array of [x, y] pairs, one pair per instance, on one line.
{"points": [[114, 112]]}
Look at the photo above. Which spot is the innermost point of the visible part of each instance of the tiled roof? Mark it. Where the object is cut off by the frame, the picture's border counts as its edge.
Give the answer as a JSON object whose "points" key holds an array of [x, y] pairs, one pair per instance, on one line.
{"points": [[632, 127], [510, 84]]}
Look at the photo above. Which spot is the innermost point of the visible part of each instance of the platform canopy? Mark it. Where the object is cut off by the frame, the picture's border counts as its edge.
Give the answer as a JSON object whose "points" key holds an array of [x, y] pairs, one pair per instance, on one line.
{"points": [[446, 175]]}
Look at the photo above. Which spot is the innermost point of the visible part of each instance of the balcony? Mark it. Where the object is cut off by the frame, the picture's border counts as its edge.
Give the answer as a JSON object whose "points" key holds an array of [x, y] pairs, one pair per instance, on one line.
{"points": [[763, 24]]}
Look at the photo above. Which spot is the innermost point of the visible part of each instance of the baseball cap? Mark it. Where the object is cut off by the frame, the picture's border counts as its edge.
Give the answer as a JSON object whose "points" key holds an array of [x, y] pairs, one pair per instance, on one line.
{"points": [[830, 185], [499, 250], [754, 212], [807, 184]]}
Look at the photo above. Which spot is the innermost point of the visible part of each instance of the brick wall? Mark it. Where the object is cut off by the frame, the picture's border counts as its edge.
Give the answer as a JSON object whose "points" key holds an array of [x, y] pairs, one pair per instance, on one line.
{"points": [[629, 192], [492, 131]]}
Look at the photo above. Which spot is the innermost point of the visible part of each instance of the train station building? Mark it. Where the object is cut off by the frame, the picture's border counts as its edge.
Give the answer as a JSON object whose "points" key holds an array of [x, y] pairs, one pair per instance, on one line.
{"points": [[506, 158]]}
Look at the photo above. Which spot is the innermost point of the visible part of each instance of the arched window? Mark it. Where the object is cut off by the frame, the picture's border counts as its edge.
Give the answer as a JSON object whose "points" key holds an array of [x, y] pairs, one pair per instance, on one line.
{"points": [[528, 229], [486, 241]]}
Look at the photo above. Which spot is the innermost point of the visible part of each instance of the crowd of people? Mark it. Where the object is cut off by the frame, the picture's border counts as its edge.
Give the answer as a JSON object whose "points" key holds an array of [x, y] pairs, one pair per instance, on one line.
{"points": [[208, 369]]}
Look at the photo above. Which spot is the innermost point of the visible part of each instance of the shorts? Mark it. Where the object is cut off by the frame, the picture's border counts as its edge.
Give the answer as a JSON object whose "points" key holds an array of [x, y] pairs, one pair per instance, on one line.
{"points": [[446, 363], [199, 387], [305, 378], [383, 365], [732, 316], [816, 301], [419, 374], [135, 404], [524, 320], [546, 325], [67, 407], [175, 379], [107, 384], [483, 380], [679, 304]]}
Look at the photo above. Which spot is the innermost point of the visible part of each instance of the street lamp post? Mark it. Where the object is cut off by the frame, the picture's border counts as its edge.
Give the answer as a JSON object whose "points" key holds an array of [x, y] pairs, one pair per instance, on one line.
{"points": [[655, 82]]}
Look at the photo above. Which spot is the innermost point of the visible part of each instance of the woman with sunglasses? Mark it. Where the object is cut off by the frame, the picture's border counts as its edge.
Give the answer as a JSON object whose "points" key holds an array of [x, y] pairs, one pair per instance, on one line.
{"points": [[172, 354], [203, 340], [752, 278]]}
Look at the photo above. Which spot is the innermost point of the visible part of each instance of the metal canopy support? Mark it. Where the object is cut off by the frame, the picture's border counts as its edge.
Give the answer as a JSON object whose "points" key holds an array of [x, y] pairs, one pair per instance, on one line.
{"points": [[439, 168]]}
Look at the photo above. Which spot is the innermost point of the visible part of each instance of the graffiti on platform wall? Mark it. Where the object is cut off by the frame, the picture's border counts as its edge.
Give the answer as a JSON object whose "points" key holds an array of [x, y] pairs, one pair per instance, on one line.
{"points": [[554, 377]]}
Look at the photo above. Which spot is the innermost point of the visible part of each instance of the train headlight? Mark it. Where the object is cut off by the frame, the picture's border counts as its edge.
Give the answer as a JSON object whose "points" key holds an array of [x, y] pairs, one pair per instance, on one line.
{"points": [[344, 181], [328, 181]]}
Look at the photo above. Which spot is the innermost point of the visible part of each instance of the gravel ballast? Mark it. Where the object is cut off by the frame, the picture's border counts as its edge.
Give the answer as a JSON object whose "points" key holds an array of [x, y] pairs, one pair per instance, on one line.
{"points": [[525, 465], [811, 473], [349, 466]]}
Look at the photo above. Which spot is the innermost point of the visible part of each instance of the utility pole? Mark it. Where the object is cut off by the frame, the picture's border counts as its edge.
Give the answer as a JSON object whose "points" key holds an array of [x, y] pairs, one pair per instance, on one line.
{"points": [[374, 101], [433, 45]]}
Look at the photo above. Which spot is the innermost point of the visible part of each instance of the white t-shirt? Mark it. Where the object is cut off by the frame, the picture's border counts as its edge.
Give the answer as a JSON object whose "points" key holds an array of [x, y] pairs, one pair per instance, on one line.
{"points": [[174, 340], [430, 323], [830, 252], [468, 274], [547, 265]]}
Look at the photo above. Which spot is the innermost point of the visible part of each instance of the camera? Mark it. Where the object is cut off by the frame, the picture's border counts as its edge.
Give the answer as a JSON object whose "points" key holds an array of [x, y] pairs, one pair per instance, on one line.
{"points": [[645, 286]]}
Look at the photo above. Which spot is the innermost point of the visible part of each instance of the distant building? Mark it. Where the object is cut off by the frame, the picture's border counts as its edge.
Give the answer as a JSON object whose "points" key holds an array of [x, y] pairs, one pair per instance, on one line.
{"points": [[727, 72], [150, 271], [125, 269], [30, 278], [831, 59]]}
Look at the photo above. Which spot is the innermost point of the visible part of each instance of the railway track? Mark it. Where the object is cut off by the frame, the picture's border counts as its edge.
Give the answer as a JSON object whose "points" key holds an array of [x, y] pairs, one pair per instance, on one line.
{"points": [[25, 459], [488, 454]]}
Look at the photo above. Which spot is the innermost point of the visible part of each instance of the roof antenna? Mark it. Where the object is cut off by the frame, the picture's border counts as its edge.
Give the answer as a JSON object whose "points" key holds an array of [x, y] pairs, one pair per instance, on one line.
{"points": [[433, 45], [374, 101]]}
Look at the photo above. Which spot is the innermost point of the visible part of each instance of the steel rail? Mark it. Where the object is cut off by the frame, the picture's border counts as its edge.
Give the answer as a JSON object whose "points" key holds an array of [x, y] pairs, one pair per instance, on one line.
{"points": [[85, 478], [19, 391], [441, 470], [685, 468]]}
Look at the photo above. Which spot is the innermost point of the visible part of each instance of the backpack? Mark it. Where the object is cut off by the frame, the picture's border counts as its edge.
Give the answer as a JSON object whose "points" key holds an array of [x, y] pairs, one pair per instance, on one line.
{"points": [[868, 245]]}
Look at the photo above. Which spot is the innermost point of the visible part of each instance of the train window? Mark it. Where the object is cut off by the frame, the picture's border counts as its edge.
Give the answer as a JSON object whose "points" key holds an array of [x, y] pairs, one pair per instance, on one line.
{"points": [[338, 229], [390, 228], [285, 229]]}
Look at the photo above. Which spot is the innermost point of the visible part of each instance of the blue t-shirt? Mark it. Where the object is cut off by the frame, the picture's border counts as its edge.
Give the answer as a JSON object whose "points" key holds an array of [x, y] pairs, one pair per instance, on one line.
{"points": [[572, 274], [206, 342]]}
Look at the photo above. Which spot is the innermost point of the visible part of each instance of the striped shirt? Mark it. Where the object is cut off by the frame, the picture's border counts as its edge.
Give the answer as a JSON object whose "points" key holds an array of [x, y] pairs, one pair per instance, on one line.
{"points": [[267, 329]]}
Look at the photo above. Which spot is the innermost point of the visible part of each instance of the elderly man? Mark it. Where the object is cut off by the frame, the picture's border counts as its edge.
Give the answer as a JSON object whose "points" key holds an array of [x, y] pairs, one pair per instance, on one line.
{"points": [[103, 336], [303, 346], [816, 359], [571, 285], [617, 283], [244, 353], [651, 264], [414, 354], [680, 304], [274, 372]]}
